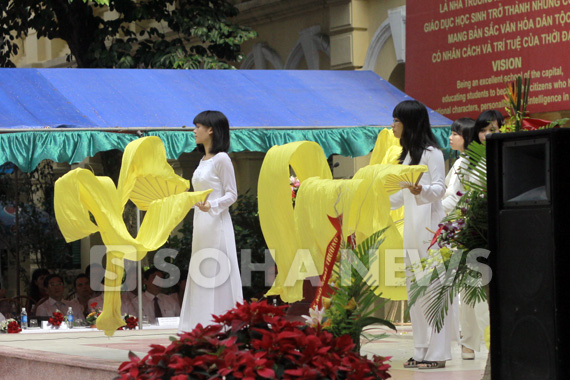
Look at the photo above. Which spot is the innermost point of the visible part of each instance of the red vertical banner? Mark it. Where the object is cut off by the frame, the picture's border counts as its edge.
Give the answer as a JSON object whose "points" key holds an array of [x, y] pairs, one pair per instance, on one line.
{"points": [[460, 53], [330, 260]]}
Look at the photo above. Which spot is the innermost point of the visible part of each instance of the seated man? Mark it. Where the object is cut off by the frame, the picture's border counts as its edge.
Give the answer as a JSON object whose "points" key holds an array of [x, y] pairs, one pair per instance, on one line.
{"points": [[178, 295], [83, 293], [126, 304], [54, 286], [155, 303], [96, 273]]}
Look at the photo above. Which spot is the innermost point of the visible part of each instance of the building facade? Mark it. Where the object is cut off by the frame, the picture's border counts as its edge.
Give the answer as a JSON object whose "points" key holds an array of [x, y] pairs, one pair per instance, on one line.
{"points": [[292, 35]]}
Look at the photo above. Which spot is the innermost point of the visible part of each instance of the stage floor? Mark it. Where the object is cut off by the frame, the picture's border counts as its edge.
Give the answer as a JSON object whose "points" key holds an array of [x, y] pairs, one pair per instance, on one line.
{"points": [[88, 354]]}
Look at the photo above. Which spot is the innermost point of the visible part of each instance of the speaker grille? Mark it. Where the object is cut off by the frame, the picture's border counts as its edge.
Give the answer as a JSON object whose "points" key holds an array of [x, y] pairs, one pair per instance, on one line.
{"points": [[524, 270], [531, 355]]}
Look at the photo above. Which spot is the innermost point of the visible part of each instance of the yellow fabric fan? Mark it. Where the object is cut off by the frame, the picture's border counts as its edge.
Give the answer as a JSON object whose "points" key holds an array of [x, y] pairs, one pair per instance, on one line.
{"points": [[145, 177], [387, 150], [149, 188], [291, 233]]}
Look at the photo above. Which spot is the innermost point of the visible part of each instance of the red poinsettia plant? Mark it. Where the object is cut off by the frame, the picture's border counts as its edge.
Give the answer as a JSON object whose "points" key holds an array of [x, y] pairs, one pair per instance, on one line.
{"points": [[56, 319], [255, 341], [10, 326]]}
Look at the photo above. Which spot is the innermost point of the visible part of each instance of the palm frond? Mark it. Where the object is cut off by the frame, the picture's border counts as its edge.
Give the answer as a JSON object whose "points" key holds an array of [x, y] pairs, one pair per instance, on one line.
{"points": [[373, 242], [363, 322], [443, 290], [459, 278], [473, 295], [438, 302], [355, 298], [418, 290], [476, 175]]}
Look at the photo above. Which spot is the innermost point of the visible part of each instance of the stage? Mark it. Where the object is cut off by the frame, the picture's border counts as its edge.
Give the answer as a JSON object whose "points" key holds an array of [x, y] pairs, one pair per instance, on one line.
{"points": [[84, 353], [79, 353]]}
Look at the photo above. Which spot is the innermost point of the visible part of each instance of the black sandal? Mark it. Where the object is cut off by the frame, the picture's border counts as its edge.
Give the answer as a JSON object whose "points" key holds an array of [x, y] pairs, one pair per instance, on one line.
{"points": [[411, 363], [431, 364]]}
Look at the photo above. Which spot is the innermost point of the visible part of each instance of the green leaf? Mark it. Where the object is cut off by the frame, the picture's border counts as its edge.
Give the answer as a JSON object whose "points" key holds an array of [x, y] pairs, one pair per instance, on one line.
{"points": [[476, 176], [363, 322]]}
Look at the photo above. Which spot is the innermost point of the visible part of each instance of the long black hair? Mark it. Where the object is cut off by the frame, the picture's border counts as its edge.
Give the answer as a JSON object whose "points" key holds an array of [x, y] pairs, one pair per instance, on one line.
{"points": [[220, 127], [464, 128], [416, 135], [34, 291], [483, 121]]}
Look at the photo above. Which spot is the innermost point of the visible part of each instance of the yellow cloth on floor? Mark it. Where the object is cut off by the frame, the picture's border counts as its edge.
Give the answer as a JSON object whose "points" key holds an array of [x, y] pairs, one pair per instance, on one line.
{"points": [[147, 179], [292, 232]]}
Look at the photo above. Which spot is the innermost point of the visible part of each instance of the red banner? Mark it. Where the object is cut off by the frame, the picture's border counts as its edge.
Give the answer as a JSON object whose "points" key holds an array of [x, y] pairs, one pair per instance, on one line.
{"points": [[460, 53], [330, 259]]}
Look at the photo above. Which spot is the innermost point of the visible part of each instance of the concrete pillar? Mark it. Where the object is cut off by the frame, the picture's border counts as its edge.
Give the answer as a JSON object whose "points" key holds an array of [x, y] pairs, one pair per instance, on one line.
{"points": [[348, 33]]}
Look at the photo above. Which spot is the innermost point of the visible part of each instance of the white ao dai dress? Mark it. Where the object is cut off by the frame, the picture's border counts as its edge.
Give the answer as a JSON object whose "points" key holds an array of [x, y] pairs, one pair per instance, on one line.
{"points": [[214, 284], [473, 319], [422, 212]]}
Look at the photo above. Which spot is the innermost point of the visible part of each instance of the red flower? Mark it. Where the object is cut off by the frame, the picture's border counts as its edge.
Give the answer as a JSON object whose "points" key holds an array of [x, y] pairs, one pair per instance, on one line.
{"points": [[13, 328], [179, 377], [56, 319], [181, 364], [132, 322], [533, 124], [255, 341], [130, 367], [436, 236]]}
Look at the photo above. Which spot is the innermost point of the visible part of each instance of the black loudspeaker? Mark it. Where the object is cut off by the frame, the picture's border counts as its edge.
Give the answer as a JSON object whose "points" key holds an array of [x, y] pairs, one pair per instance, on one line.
{"points": [[528, 176]]}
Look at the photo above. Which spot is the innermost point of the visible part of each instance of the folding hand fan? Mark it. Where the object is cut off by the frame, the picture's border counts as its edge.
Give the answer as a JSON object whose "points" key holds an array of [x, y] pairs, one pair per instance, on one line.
{"points": [[396, 182]]}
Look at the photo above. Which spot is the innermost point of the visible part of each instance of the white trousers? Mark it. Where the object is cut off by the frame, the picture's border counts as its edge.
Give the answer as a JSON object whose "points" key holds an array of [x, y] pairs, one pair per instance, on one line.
{"points": [[428, 343], [473, 321]]}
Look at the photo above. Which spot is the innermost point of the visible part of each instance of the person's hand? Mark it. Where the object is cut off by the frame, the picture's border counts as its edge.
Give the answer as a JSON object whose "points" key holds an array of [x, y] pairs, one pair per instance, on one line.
{"points": [[204, 206], [416, 189]]}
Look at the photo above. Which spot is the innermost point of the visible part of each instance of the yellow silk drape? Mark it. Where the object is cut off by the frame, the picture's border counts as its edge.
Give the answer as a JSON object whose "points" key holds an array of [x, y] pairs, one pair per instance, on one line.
{"points": [[362, 201], [276, 209], [147, 179], [387, 150]]}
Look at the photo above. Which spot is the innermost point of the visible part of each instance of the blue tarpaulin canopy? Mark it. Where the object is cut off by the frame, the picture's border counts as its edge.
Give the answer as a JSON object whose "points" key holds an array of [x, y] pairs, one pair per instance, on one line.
{"points": [[68, 114]]}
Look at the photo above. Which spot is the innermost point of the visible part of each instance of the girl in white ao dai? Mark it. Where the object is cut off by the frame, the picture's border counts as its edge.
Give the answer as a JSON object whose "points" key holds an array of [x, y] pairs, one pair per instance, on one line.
{"points": [[214, 284], [423, 212]]}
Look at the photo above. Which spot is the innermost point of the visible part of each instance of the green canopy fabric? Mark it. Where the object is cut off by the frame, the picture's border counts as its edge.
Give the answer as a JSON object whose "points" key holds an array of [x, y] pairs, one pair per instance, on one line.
{"points": [[28, 149]]}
